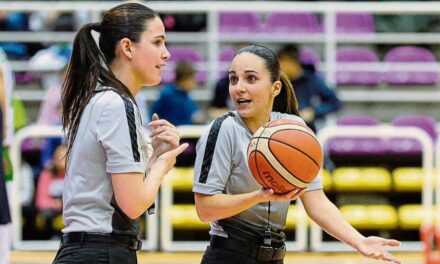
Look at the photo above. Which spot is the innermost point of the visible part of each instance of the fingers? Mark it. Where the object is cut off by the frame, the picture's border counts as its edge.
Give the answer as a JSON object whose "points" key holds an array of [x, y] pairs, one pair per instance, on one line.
{"points": [[391, 242], [177, 151], [155, 117], [162, 129], [156, 122]]}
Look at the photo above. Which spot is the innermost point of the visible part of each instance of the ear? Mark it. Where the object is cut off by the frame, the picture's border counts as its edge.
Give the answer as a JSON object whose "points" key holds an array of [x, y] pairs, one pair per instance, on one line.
{"points": [[276, 88], [126, 46]]}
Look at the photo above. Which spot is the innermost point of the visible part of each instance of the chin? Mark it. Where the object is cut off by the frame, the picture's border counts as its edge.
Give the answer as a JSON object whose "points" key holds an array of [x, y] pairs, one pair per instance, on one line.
{"points": [[153, 82]]}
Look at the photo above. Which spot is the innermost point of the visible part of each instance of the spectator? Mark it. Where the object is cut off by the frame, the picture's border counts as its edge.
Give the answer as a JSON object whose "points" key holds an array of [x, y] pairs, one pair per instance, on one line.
{"points": [[50, 187], [315, 98], [174, 103]]}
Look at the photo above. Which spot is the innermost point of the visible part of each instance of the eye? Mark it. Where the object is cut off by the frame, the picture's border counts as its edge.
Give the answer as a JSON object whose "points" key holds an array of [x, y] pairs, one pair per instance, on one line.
{"points": [[233, 80], [251, 78], [159, 42]]}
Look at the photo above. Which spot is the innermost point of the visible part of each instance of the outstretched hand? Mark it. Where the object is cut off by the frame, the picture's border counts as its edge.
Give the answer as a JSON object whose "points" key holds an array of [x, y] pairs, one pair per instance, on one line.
{"points": [[375, 247]]}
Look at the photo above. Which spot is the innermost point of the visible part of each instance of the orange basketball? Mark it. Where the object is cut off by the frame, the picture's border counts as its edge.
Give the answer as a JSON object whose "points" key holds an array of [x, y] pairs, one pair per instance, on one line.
{"points": [[284, 155]]}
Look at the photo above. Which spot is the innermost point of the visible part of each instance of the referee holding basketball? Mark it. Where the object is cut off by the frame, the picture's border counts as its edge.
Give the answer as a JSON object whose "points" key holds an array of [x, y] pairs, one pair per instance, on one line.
{"points": [[112, 175], [247, 222]]}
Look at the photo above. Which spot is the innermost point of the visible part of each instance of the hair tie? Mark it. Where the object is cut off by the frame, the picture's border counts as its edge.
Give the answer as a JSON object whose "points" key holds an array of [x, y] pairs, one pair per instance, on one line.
{"points": [[96, 26]]}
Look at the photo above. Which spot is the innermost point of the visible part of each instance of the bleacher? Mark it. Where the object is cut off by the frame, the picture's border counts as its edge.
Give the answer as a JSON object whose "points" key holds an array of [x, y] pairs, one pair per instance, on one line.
{"points": [[340, 39]]}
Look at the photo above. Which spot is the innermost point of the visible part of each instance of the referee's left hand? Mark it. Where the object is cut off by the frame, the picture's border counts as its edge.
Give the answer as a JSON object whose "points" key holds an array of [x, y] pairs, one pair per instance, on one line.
{"points": [[164, 135]]}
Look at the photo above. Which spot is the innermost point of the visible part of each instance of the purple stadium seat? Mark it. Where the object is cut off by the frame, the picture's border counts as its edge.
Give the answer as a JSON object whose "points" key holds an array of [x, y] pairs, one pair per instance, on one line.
{"points": [[182, 54], [352, 54], [225, 58], [309, 56], [354, 23], [356, 146], [408, 146], [282, 22], [410, 54], [239, 22]]}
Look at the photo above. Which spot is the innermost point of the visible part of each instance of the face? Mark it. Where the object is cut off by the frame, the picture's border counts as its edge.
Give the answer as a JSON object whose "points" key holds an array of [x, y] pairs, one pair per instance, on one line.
{"points": [[150, 53], [290, 67], [250, 86]]}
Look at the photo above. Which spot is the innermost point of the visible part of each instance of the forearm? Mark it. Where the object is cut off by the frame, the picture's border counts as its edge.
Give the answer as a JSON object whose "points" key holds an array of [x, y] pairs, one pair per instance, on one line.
{"points": [[329, 218], [220, 206]]}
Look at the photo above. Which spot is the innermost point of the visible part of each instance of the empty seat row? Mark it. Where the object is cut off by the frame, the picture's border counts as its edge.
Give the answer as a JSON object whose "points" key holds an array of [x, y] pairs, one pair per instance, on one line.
{"points": [[293, 22], [379, 146]]}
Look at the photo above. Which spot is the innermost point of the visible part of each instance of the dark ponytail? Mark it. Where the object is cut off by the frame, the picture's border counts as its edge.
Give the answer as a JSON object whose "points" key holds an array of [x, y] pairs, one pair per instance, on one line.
{"points": [[89, 64], [286, 101]]}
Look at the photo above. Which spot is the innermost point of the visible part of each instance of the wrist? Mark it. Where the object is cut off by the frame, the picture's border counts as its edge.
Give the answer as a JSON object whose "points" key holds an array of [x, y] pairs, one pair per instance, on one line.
{"points": [[356, 242]]}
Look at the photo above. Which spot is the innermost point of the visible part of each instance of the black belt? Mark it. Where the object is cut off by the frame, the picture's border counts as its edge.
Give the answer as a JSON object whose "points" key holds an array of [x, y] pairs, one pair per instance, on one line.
{"points": [[259, 252], [130, 242]]}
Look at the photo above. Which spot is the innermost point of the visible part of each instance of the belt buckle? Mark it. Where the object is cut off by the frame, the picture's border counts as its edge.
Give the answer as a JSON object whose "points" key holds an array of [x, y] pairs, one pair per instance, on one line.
{"points": [[265, 253], [136, 244]]}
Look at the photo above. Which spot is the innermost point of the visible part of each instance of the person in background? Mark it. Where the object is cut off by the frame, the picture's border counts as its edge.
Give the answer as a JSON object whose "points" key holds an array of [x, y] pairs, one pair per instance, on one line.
{"points": [[315, 98], [50, 187], [7, 132], [175, 103]]}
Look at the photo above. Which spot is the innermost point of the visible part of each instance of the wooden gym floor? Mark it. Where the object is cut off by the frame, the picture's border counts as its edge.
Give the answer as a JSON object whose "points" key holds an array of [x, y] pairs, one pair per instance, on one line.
{"points": [[194, 258]]}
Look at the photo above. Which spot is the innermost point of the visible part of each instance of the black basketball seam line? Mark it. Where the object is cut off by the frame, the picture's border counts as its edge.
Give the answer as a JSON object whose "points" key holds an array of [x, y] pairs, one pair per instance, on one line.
{"points": [[278, 173], [299, 150], [296, 129], [276, 140], [314, 161]]}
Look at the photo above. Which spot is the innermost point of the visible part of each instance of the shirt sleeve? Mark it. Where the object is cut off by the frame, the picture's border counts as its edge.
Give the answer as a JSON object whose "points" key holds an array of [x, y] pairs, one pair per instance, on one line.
{"points": [[213, 161], [118, 134]]}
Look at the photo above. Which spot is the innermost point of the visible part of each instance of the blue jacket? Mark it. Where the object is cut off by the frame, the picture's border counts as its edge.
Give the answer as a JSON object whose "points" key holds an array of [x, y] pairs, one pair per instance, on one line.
{"points": [[174, 105], [311, 91]]}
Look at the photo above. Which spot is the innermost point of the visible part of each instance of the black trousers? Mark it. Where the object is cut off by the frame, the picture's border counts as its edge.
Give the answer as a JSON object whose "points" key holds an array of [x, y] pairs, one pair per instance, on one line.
{"points": [[89, 253], [227, 256]]}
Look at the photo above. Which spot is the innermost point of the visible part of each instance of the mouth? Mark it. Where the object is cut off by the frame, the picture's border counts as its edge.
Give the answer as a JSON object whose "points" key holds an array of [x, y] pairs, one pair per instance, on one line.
{"points": [[160, 66], [242, 101]]}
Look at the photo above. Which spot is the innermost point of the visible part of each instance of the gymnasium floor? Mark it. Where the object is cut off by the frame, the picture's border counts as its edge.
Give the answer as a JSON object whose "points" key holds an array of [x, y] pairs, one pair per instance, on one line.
{"points": [[194, 258]]}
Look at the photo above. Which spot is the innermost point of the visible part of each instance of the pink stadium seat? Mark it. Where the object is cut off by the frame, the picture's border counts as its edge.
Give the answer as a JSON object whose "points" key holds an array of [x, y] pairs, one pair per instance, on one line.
{"points": [[407, 146], [354, 23], [410, 54], [352, 54], [282, 22], [357, 146], [309, 56], [183, 54], [239, 22]]}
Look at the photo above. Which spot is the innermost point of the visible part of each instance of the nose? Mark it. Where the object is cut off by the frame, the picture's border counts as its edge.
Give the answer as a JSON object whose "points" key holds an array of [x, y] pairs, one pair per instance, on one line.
{"points": [[166, 54], [239, 87]]}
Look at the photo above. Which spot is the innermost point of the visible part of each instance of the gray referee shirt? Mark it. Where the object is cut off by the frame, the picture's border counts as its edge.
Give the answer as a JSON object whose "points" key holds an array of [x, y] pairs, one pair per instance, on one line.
{"points": [[110, 139], [221, 167]]}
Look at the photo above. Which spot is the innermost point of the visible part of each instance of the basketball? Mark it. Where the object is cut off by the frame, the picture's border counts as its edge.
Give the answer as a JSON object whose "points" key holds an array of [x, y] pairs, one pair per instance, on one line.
{"points": [[284, 155]]}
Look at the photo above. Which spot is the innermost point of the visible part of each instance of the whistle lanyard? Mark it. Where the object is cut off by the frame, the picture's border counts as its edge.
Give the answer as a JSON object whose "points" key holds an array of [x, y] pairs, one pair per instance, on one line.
{"points": [[268, 234]]}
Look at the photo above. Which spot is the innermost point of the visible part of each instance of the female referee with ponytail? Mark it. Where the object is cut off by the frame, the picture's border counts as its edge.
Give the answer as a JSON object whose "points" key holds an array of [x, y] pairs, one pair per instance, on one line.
{"points": [[112, 174], [247, 222]]}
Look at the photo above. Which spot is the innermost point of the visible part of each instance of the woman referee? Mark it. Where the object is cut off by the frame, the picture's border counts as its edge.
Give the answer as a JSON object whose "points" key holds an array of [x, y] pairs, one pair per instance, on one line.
{"points": [[112, 178]]}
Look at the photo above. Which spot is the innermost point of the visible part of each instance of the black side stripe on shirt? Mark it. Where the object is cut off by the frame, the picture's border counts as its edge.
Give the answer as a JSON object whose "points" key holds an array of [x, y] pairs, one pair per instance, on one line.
{"points": [[210, 146], [131, 120]]}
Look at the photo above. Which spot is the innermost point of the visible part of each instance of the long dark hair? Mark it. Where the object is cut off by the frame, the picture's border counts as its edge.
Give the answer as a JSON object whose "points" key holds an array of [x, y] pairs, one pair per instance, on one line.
{"points": [[89, 64], [285, 101]]}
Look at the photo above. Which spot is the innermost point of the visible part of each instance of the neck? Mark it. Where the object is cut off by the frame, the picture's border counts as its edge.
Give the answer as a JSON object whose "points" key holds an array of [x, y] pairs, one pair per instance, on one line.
{"points": [[126, 76], [254, 123]]}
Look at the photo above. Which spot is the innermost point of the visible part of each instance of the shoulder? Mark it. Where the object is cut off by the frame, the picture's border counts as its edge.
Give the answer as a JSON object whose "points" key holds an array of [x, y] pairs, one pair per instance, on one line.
{"points": [[221, 126], [110, 99], [278, 115]]}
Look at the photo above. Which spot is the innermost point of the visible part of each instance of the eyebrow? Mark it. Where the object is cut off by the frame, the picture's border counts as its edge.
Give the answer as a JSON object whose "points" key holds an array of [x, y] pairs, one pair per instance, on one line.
{"points": [[247, 71], [160, 37]]}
